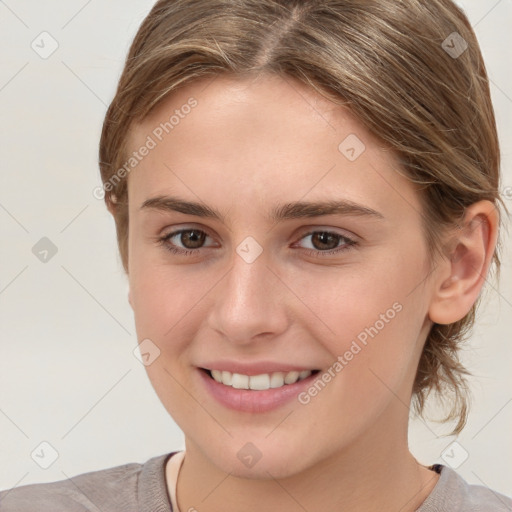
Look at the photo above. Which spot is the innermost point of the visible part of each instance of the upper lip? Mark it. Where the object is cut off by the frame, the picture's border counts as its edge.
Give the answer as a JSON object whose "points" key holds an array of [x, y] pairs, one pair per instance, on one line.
{"points": [[256, 368]]}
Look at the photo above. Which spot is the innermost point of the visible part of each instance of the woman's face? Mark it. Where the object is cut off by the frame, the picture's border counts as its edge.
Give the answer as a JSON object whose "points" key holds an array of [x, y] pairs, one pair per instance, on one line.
{"points": [[261, 275]]}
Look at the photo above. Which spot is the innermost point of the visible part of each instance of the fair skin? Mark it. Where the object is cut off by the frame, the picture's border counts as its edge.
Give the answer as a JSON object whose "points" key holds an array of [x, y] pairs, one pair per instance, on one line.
{"points": [[248, 146]]}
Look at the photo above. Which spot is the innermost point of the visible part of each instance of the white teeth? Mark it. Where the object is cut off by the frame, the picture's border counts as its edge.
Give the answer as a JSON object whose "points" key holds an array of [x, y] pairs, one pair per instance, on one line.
{"points": [[259, 382], [291, 377], [240, 381], [226, 378], [277, 380]]}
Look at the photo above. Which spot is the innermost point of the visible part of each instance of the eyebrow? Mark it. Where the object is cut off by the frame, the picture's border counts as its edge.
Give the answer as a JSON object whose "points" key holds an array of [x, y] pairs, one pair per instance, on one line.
{"points": [[287, 211]]}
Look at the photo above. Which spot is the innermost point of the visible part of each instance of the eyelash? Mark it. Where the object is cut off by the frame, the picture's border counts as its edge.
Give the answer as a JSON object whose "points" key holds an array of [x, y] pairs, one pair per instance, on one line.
{"points": [[349, 243]]}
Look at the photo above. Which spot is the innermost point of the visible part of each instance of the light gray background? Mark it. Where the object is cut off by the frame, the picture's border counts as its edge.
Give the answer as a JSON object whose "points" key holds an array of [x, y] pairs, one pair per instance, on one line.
{"points": [[68, 375]]}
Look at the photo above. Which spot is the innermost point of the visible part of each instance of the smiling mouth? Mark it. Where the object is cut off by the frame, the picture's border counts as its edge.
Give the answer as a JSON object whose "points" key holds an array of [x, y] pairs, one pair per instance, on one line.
{"points": [[260, 382]]}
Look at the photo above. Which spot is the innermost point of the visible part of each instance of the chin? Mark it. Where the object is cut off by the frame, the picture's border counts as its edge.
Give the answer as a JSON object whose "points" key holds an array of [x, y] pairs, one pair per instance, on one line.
{"points": [[261, 460]]}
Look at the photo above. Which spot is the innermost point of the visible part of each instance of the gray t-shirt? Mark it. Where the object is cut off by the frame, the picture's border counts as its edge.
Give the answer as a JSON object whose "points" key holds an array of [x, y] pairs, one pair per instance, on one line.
{"points": [[142, 488]]}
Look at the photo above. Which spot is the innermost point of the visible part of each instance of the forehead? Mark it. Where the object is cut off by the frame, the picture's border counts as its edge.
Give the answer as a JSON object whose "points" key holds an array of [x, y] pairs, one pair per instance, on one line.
{"points": [[266, 104], [260, 139]]}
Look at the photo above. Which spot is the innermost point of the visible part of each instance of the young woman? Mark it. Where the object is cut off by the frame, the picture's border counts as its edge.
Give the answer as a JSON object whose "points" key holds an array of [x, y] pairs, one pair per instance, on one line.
{"points": [[306, 197]]}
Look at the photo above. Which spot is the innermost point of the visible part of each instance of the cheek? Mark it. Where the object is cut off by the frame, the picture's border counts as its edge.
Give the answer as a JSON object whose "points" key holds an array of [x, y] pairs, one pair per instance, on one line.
{"points": [[351, 300], [370, 323], [170, 304], [162, 302], [150, 291]]}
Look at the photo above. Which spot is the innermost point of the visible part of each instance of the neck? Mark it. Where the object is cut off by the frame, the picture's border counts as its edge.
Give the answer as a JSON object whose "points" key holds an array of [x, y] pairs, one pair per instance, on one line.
{"points": [[376, 473]]}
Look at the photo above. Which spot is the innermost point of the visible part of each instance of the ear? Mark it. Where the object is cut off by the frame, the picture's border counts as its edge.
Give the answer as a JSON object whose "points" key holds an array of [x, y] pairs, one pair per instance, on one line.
{"points": [[111, 207], [462, 273]]}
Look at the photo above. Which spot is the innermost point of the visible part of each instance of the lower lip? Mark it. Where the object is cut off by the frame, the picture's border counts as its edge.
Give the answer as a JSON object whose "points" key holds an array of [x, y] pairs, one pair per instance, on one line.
{"points": [[248, 400]]}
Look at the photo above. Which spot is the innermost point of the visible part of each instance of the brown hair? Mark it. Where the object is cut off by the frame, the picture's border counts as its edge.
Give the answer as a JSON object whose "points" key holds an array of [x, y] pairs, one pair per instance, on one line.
{"points": [[395, 64]]}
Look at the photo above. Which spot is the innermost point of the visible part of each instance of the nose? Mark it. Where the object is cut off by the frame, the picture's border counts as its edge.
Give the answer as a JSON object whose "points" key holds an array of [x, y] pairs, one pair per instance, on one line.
{"points": [[249, 303]]}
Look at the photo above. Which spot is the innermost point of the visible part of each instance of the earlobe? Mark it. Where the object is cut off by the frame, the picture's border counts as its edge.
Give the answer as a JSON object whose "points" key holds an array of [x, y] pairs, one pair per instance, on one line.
{"points": [[462, 274], [111, 207]]}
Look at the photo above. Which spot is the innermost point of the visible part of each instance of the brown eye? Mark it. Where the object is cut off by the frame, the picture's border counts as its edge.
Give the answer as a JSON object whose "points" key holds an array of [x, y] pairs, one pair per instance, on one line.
{"points": [[327, 243], [323, 240], [184, 241], [192, 238]]}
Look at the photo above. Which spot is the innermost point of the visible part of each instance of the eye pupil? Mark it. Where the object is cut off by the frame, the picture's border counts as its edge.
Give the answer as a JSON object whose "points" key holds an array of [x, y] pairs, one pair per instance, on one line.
{"points": [[196, 239], [325, 238]]}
